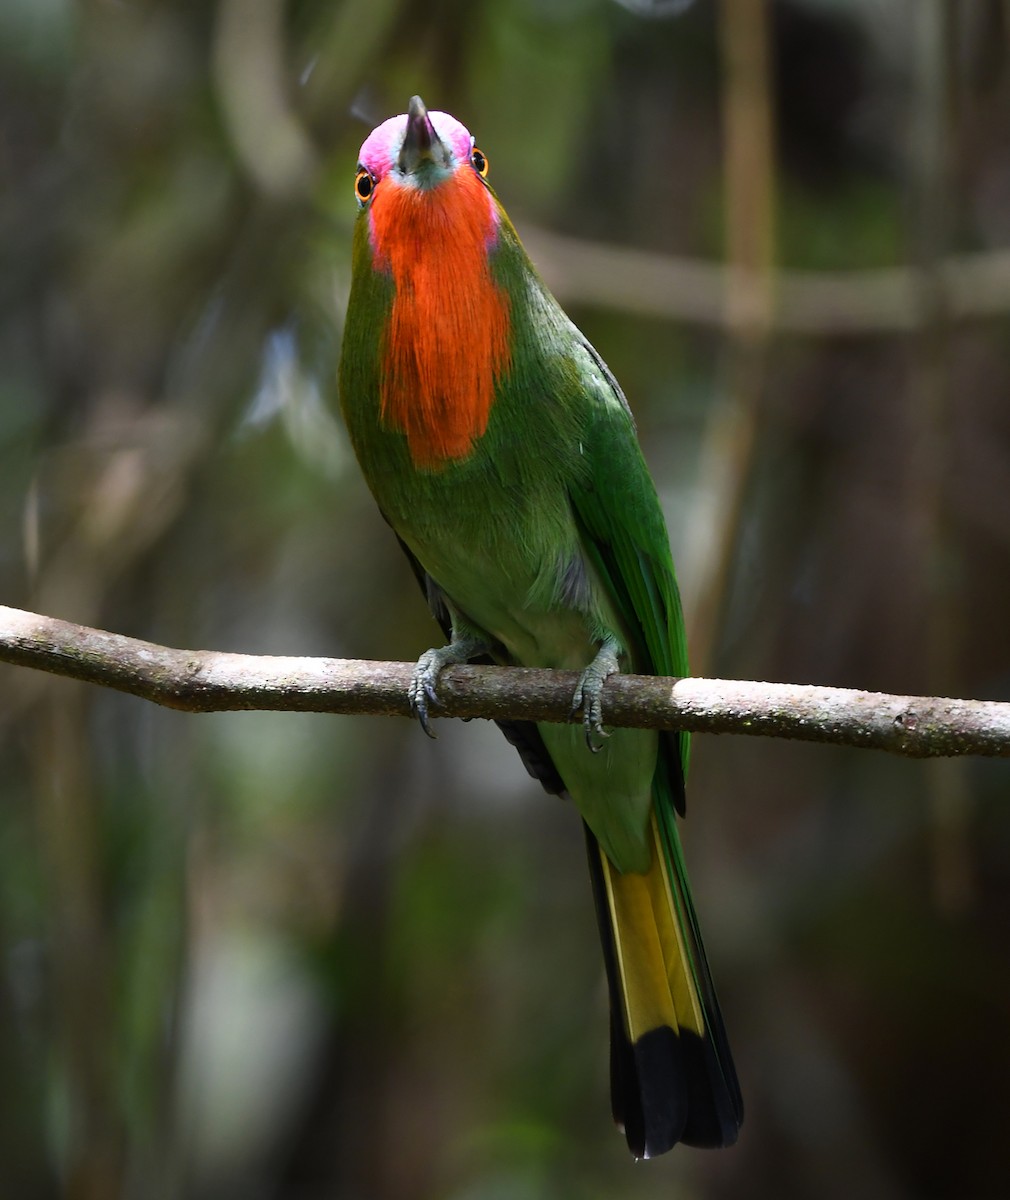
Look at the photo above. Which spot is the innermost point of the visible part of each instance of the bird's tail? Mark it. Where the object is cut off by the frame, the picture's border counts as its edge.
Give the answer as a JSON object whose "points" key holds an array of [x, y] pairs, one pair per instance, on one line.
{"points": [[671, 1073]]}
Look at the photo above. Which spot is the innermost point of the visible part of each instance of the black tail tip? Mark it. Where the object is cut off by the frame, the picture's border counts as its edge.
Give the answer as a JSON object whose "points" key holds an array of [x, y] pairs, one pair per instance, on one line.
{"points": [[670, 1087]]}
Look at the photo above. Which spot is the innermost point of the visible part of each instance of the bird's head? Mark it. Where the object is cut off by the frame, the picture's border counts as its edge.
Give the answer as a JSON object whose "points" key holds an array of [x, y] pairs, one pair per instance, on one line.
{"points": [[431, 225], [420, 151]]}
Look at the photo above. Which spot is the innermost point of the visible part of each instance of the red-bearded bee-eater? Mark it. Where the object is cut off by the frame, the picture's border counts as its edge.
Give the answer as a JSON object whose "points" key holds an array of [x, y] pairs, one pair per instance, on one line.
{"points": [[503, 454]]}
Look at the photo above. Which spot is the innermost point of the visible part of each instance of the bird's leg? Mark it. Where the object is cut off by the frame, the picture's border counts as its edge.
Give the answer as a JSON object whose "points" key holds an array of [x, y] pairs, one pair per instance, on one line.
{"points": [[432, 663], [589, 692]]}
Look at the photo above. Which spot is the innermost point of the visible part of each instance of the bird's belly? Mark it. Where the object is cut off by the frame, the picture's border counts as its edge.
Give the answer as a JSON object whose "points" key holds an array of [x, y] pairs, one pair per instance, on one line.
{"points": [[529, 588], [514, 594], [612, 788]]}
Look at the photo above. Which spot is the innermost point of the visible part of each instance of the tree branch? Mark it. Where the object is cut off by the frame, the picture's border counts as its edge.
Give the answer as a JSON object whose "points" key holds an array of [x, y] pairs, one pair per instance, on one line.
{"points": [[212, 681], [881, 300]]}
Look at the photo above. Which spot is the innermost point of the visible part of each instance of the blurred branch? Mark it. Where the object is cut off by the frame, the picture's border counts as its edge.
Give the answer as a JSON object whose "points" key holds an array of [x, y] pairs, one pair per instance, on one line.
{"points": [[211, 681], [885, 300], [931, 428], [249, 72], [733, 432]]}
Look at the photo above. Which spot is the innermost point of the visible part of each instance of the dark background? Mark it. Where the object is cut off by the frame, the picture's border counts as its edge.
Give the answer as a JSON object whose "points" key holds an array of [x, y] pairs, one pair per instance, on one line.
{"points": [[292, 957]]}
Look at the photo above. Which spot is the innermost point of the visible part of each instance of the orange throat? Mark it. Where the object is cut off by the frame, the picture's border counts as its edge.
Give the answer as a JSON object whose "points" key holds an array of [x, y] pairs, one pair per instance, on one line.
{"points": [[446, 341]]}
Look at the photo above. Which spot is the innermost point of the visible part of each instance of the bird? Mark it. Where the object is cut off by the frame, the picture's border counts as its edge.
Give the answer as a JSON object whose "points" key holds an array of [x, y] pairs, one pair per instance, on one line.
{"points": [[503, 454]]}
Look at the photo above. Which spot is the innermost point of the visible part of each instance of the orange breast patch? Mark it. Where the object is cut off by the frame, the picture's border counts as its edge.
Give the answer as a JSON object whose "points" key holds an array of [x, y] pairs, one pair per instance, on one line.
{"points": [[446, 340]]}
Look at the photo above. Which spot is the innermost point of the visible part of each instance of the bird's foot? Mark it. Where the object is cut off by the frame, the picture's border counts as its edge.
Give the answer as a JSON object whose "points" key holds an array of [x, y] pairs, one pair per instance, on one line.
{"points": [[589, 692], [422, 690]]}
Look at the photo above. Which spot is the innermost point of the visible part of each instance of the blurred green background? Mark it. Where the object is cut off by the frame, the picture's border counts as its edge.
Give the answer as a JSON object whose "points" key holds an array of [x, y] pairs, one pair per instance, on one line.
{"points": [[290, 957]]}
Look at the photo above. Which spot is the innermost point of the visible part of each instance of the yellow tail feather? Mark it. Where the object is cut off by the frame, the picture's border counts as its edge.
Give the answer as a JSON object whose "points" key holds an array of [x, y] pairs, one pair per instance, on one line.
{"points": [[656, 976]]}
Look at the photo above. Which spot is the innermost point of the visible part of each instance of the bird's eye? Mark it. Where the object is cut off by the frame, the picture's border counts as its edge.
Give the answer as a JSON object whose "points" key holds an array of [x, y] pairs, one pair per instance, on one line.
{"points": [[478, 160], [364, 184]]}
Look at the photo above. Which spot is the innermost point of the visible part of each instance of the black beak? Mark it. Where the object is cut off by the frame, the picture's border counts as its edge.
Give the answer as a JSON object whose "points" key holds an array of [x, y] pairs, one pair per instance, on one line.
{"points": [[422, 143]]}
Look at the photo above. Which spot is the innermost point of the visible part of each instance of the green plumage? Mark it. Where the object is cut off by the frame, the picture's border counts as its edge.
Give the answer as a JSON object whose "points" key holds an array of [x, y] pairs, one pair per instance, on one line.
{"points": [[547, 542], [555, 499]]}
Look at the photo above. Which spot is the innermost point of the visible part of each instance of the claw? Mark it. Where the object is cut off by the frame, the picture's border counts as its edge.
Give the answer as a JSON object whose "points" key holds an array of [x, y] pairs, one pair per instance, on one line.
{"points": [[589, 693], [422, 691], [593, 722], [419, 707], [599, 731]]}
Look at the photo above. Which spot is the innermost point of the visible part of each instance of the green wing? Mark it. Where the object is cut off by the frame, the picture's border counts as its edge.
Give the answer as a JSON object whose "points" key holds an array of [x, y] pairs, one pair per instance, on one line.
{"points": [[625, 537]]}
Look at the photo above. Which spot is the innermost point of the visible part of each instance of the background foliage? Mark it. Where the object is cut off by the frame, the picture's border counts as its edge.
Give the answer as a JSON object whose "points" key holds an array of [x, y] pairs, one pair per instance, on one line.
{"points": [[296, 957]]}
